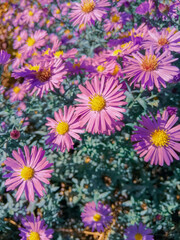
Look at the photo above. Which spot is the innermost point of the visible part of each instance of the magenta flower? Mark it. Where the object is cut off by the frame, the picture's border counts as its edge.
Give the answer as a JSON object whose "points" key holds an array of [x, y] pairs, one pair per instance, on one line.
{"points": [[165, 39], [150, 69], [139, 232], [145, 7], [15, 134], [96, 217], [157, 140], [31, 15], [100, 105], [45, 76], [171, 110], [63, 129], [29, 171], [34, 229], [88, 11], [4, 57]]}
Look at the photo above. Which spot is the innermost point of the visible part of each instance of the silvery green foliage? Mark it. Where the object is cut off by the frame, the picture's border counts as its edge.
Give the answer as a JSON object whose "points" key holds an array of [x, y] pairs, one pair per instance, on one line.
{"points": [[100, 168]]}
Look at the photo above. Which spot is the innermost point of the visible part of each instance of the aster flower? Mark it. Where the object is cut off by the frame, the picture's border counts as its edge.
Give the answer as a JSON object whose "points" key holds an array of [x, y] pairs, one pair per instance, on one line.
{"points": [[34, 229], [165, 39], [150, 69], [157, 140], [4, 57], [96, 217], [17, 93], [145, 7], [171, 110], [31, 15], [139, 232], [63, 129], [28, 172], [45, 76], [20, 39], [88, 11], [100, 105]]}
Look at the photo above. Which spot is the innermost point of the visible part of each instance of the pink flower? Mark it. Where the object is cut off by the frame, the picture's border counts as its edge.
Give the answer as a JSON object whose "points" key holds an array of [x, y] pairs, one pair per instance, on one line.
{"points": [[63, 129], [29, 171], [15, 134], [157, 140], [88, 11], [17, 93], [100, 105]]}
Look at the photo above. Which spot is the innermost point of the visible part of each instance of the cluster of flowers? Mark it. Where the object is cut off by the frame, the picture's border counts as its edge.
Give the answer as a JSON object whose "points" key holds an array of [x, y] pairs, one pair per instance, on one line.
{"points": [[143, 56]]}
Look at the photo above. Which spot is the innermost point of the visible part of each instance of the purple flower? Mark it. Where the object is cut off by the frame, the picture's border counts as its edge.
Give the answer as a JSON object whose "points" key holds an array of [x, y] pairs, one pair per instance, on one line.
{"points": [[157, 140], [145, 7], [139, 232], [96, 217], [4, 57], [35, 229], [172, 110], [29, 171]]}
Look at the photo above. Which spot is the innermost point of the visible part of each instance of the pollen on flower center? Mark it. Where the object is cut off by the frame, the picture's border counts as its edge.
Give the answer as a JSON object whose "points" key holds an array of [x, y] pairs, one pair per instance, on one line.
{"points": [[97, 103], [31, 13], [43, 75], [76, 65], [159, 138], [100, 68], [138, 236], [30, 41], [116, 70], [163, 41], [27, 173], [115, 18], [97, 217], [62, 128], [149, 63], [16, 89], [116, 52], [88, 6], [18, 38], [34, 236]]}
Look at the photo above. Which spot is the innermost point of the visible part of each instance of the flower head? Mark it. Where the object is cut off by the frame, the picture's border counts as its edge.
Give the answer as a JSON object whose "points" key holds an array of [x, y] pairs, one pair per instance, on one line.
{"points": [[96, 217], [4, 57], [28, 172], [100, 105], [15, 134], [34, 229], [139, 232], [63, 129], [157, 140], [88, 11]]}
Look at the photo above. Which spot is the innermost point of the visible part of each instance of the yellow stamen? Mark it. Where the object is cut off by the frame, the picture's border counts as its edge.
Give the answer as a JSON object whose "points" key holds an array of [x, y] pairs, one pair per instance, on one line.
{"points": [[16, 89], [62, 128], [97, 217], [27, 173], [35, 68], [97, 103], [149, 63], [19, 38], [100, 68], [43, 75], [115, 18], [116, 70], [58, 11], [81, 26], [31, 13], [30, 41], [34, 236], [138, 236], [58, 54], [116, 52], [88, 6], [76, 65], [160, 138], [163, 41], [18, 55], [68, 4]]}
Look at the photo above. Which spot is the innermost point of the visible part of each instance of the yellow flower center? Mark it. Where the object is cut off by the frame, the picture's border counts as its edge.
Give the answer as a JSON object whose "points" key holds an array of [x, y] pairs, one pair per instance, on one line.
{"points": [[100, 68], [46, 52], [31, 13], [76, 65], [58, 11], [88, 6], [34, 236], [116, 70], [18, 55], [58, 54], [35, 68], [97, 217], [43, 75], [67, 31], [116, 52], [149, 63], [27, 173], [160, 138], [30, 41], [16, 90], [162, 41], [18, 38], [62, 128], [138, 236], [68, 4], [115, 18], [97, 103], [81, 26]]}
